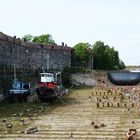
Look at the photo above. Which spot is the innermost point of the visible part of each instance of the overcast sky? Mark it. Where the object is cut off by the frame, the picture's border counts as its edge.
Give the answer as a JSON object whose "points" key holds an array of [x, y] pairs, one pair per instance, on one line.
{"points": [[115, 22]]}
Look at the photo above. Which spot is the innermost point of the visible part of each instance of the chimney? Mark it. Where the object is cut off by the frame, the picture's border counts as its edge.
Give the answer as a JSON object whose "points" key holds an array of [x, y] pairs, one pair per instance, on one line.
{"points": [[62, 43], [24, 39], [14, 37], [65, 45], [19, 40]]}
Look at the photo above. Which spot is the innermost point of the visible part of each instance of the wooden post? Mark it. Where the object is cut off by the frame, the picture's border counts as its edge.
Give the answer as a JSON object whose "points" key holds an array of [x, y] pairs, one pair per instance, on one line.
{"points": [[108, 104], [92, 93], [22, 122], [133, 105], [4, 121], [30, 116], [124, 104], [92, 123], [98, 105], [14, 117], [9, 128]]}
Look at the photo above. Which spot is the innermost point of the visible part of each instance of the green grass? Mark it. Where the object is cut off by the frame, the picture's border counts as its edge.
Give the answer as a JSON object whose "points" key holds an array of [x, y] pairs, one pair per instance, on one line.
{"points": [[8, 109]]}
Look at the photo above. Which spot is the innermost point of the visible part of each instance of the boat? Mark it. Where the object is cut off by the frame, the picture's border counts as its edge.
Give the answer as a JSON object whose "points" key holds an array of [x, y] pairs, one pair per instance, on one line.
{"points": [[19, 91], [50, 86], [124, 77]]}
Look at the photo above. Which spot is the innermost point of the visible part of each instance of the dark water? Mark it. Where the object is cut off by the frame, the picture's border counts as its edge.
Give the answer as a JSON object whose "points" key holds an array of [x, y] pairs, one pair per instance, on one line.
{"points": [[124, 78]]}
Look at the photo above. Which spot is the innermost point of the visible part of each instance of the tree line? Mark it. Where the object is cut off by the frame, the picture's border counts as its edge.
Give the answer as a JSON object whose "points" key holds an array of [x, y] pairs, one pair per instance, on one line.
{"points": [[97, 56]]}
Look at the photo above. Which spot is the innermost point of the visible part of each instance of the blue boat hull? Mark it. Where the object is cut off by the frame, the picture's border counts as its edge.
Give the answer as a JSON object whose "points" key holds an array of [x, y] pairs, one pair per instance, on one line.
{"points": [[19, 91], [19, 97]]}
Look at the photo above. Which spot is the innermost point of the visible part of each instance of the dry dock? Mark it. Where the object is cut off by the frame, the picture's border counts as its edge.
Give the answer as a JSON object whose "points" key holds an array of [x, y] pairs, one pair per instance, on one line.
{"points": [[80, 118]]}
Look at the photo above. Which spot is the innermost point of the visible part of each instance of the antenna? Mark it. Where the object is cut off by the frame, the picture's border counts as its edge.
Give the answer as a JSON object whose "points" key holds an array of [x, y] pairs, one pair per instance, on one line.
{"points": [[14, 70], [4, 71], [48, 62]]}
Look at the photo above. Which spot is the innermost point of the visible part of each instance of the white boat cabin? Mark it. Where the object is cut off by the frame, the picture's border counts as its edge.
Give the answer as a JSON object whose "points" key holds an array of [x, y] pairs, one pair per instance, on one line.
{"points": [[51, 77], [47, 77]]}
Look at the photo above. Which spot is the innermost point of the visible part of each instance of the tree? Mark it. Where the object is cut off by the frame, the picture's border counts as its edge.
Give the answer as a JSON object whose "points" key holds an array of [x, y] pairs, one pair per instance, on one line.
{"points": [[121, 65], [82, 53], [28, 37], [106, 58], [98, 55], [44, 39]]}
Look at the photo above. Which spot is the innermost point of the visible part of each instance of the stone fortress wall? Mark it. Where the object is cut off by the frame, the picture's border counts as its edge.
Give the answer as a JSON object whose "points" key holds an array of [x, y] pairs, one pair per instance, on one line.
{"points": [[31, 55]]}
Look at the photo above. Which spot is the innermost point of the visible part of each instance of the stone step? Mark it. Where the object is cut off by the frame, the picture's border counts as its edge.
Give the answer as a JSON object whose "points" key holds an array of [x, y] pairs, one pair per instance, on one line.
{"points": [[62, 136], [55, 134]]}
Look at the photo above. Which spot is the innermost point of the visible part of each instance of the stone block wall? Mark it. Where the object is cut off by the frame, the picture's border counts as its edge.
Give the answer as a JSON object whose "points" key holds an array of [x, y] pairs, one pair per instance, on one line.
{"points": [[33, 55]]}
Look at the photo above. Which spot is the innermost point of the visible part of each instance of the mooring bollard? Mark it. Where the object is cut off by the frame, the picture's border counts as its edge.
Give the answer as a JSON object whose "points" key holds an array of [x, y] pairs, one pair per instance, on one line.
{"points": [[96, 126], [118, 105], [133, 122], [98, 105], [92, 123], [133, 105], [102, 125], [96, 92], [92, 93], [22, 122], [4, 121], [9, 128], [71, 135], [30, 116], [108, 105], [100, 100], [124, 104], [14, 117]]}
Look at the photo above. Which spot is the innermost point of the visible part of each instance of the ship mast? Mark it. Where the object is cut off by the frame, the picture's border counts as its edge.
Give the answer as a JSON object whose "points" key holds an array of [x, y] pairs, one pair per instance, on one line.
{"points": [[4, 71], [14, 71], [48, 62]]}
